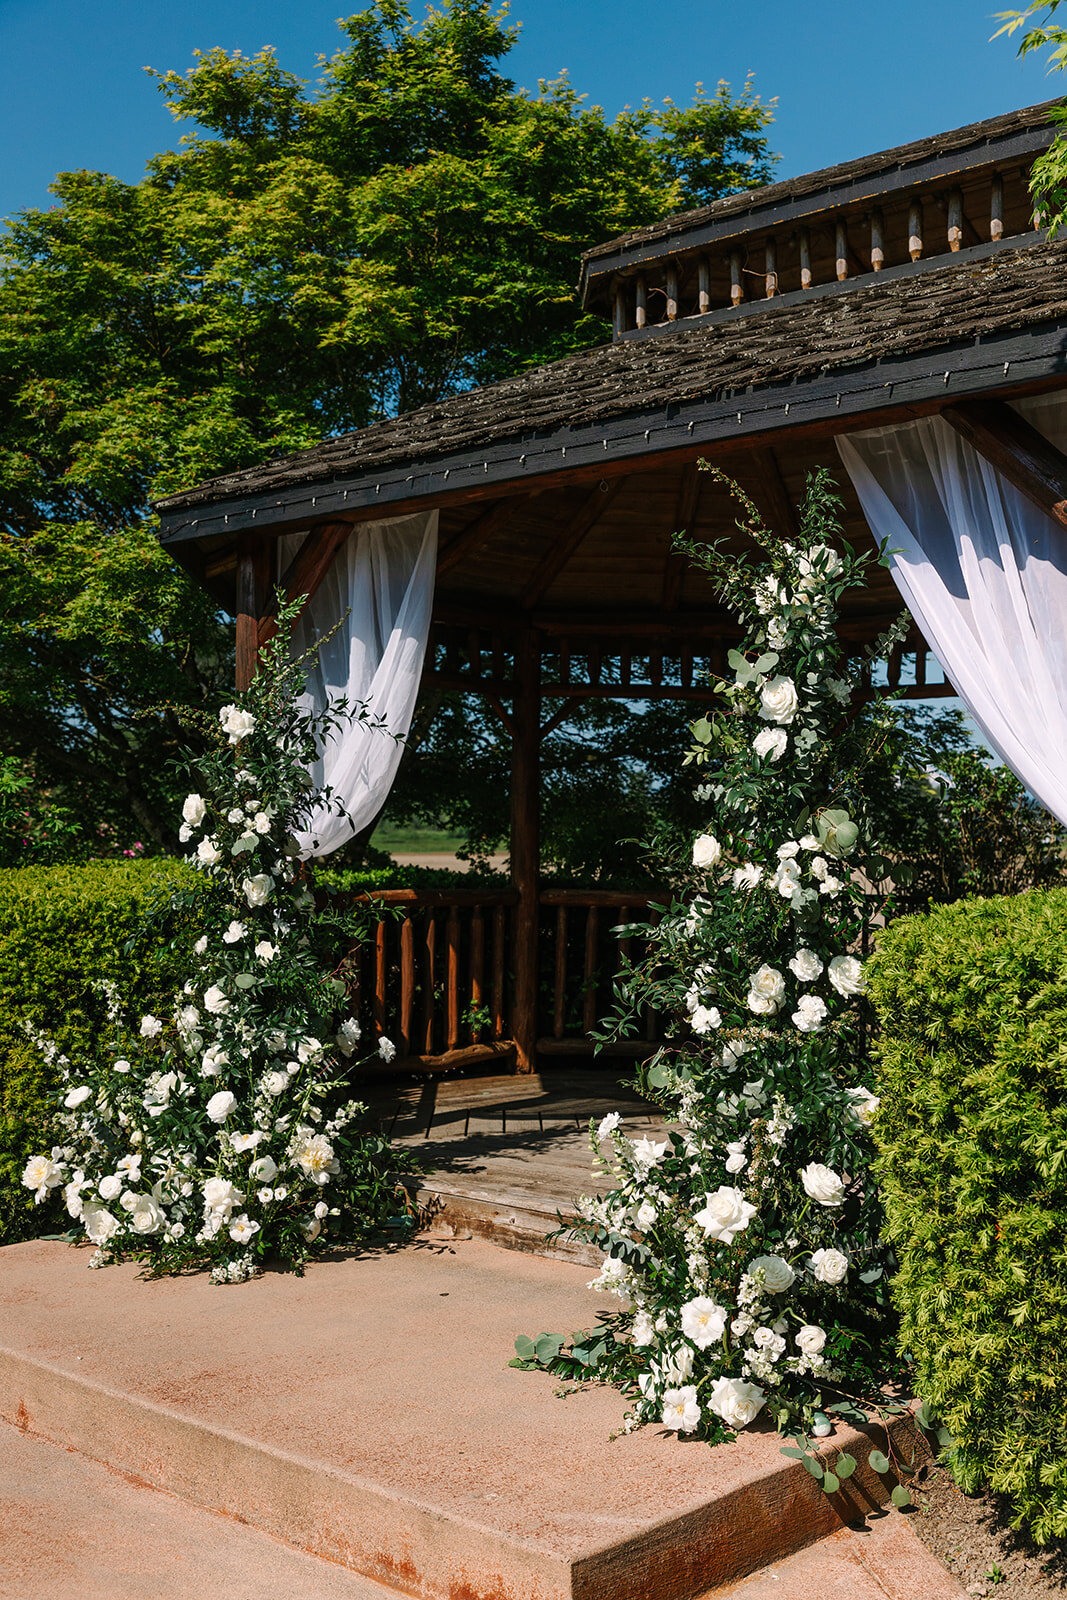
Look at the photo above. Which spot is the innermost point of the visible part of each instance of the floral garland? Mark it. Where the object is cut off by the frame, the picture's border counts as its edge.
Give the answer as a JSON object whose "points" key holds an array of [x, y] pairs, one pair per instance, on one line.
{"points": [[744, 1245], [226, 1131]]}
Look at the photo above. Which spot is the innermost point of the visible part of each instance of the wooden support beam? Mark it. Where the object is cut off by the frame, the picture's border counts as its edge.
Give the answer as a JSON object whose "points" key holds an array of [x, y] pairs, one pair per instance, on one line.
{"points": [[480, 531], [253, 574], [560, 552], [305, 572], [773, 496], [1018, 451], [525, 844], [685, 509]]}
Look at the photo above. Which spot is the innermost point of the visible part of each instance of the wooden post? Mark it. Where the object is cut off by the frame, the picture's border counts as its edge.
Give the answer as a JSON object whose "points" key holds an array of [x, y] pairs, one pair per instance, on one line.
{"points": [[737, 288], [915, 230], [672, 293], [841, 252], [805, 258], [641, 316], [877, 241], [703, 285], [253, 577], [996, 208], [525, 844], [770, 265], [619, 321], [955, 219]]}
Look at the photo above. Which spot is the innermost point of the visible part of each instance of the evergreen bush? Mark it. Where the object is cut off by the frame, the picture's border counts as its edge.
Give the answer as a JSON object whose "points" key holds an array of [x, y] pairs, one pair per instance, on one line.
{"points": [[972, 1132], [62, 929]]}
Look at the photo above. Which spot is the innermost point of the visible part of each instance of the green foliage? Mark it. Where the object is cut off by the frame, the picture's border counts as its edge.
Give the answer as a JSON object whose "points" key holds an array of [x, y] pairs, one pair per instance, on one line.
{"points": [[1048, 179], [62, 929], [305, 262], [972, 1132]]}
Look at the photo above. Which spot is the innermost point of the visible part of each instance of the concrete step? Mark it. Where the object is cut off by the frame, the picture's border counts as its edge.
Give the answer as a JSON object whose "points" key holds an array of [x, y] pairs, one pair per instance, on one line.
{"points": [[71, 1529], [366, 1414]]}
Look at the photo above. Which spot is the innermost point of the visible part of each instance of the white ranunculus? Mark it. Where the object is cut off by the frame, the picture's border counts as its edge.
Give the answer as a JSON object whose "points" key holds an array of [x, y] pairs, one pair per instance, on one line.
{"points": [[147, 1215], [864, 1104], [772, 743], [746, 876], [724, 1214], [257, 890], [703, 1321], [265, 951], [608, 1124], [736, 1157], [215, 1001], [846, 975], [681, 1410], [236, 724], [193, 810], [707, 851], [110, 1187], [811, 1338], [778, 1275], [242, 1228], [221, 1105], [208, 853], [77, 1097], [822, 1184], [778, 700], [806, 966], [99, 1223], [235, 931], [810, 1013], [151, 1027], [738, 1403], [264, 1169], [766, 990], [705, 1019]]}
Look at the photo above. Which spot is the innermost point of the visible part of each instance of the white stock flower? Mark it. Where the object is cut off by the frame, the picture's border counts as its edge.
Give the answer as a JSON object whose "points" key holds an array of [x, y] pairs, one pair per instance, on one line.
{"points": [[841, 690], [386, 1048], [810, 1013], [257, 890], [77, 1097], [681, 1410], [822, 1184], [208, 853], [215, 1001], [771, 742], [647, 1153], [766, 990], [703, 1321], [829, 1266], [235, 931], [864, 1104], [608, 1125], [738, 1403], [846, 975], [806, 966], [705, 1019], [193, 810], [778, 1275], [746, 876], [242, 1228], [98, 1222], [725, 1214], [811, 1338], [265, 951], [707, 851], [778, 700], [151, 1027], [236, 724], [221, 1105]]}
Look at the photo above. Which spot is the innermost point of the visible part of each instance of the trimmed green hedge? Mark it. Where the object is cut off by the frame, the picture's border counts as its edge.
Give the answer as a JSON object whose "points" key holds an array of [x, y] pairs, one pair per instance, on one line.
{"points": [[972, 1001], [62, 929]]}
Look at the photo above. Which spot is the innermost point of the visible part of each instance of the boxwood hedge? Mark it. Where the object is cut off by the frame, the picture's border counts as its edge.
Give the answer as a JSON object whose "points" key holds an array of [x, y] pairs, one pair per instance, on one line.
{"points": [[62, 929], [972, 1002]]}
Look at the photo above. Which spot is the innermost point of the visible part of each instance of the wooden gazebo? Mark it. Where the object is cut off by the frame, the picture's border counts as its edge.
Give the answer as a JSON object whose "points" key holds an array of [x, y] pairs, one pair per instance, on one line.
{"points": [[750, 333]]}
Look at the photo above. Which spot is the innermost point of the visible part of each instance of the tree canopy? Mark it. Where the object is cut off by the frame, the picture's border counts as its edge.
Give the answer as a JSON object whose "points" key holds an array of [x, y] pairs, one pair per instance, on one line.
{"points": [[309, 258]]}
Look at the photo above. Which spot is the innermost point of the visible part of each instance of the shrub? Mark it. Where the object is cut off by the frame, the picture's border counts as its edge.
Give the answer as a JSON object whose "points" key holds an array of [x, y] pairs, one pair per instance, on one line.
{"points": [[972, 1133], [62, 929]]}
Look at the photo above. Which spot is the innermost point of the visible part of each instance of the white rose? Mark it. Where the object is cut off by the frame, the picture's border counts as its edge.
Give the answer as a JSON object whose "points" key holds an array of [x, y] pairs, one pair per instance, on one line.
{"points": [[215, 1001], [121, 1065], [221, 1196], [208, 853], [347, 1036], [811, 1338], [264, 1169], [738, 1403], [778, 1275], [772, 742], [235, 931], [707, 851], [261, 822], [810, 1013], [237, 724], [829, 1266], [72, 1194], [787, 879], [644, 1329], [766, 990], [193, 810], [778, 700], [703, 1321], [265, 951], [386, 1048], [77, 1097], [321, 1210], [257, 890], [846, 975], [736, 1158], [214, 1060], [146, 1216], [646, 1214], [725, 1213], [820, 562], [276, 1082], [311, 1230], [864, 1104], [681, 1412], [128, 1198], [42, 1174], [99, 1223], [746, 877], [236, 815], [705, 1019], [678, 1365], [221, 1105], [242, 1228], [822, 1184], [806, 966], [150, 1027], [110, 1187]]}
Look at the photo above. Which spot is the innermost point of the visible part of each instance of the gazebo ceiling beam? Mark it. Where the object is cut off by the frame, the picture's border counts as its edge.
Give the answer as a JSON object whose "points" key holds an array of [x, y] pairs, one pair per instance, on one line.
{"points": [[684, 512], [304, 573], [1017, 450], [564, 546], [478, 533], [780, 511]]}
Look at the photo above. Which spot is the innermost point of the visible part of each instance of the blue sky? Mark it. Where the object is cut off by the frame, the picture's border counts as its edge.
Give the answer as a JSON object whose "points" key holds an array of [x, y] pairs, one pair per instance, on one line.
{"points": [[850, 76]]}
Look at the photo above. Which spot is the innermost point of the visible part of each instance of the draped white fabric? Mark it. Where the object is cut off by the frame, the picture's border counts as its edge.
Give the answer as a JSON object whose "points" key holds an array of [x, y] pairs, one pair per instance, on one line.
{"points": [[383, 577], [984, 573]]}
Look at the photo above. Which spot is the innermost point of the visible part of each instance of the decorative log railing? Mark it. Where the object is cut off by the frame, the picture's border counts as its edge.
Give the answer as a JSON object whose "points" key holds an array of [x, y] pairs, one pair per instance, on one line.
{"points": [[584, 945]]}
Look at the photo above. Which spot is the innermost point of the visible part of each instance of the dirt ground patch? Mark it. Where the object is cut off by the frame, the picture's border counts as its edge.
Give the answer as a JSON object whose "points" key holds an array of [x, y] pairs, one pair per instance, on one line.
{"points": [[972, 1535]]}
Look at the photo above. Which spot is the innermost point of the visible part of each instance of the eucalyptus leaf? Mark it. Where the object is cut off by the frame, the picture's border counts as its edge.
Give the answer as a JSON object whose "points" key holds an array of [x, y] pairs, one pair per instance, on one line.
{"points": [[901, 1496], [879, 1461], [830, 1483]]}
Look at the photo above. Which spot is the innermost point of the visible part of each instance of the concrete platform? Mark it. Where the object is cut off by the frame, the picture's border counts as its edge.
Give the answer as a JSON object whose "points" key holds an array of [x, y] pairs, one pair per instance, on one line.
{"points": [[366, 1414]]}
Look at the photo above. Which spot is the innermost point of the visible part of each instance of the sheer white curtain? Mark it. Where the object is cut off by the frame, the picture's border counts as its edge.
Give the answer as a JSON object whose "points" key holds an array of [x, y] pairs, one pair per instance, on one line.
{"points": [[383, 576], [984, 573]]}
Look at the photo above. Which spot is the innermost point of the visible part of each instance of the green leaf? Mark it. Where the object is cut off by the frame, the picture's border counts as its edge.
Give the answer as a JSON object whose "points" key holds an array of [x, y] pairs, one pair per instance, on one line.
{"points": [[525, 1347], [789, 1450], [879, 1461], [901, 1496], [845, 1465], [548, 1346], [830, 1483], [923, 1417], [814, 1466]]}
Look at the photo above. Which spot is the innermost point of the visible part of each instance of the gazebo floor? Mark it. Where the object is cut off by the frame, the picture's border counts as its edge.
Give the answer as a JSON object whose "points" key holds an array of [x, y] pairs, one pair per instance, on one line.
{"points": [[507, 1157]]}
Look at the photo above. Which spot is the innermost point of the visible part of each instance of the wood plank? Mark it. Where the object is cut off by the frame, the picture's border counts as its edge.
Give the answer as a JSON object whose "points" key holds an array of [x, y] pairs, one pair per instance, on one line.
{"points": [[773, 496], [567, 542], [479, 532], [685, 511], [252, 578], [305, 572], [1017, 450]]}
